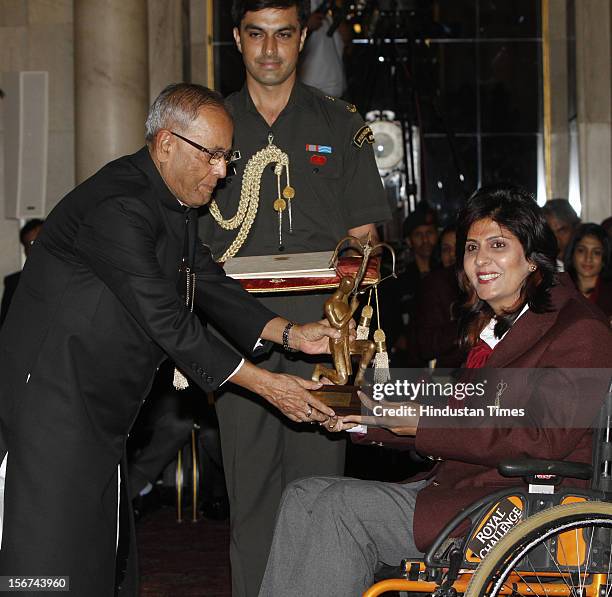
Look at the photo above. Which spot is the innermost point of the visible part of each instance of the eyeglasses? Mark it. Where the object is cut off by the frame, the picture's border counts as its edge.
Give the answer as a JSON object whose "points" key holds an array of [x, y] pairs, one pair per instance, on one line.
{"points": [[214, 157]]}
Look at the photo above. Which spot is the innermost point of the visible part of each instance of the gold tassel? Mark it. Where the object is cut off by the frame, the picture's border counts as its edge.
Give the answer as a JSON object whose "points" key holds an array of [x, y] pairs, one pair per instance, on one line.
{"points": [[363, 329], [381, 360], [179, 381]]}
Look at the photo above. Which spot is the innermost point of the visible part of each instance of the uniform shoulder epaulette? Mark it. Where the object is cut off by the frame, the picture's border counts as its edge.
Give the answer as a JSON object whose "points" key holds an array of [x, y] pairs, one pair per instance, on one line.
{"points": [[341, 103]]}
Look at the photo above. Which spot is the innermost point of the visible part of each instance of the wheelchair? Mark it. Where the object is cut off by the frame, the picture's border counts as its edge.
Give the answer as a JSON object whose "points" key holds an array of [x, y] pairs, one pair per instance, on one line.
{"points": [[537, 540]]}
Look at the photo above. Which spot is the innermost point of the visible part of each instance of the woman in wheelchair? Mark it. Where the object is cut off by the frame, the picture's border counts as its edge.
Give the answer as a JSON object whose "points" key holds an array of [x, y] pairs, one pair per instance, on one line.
{"points": [[536, 335]]}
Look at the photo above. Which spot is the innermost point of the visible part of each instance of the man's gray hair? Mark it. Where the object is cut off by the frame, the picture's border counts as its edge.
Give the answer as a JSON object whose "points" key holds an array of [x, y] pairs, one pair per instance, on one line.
{"points": [[562, 210], [178, 105]]}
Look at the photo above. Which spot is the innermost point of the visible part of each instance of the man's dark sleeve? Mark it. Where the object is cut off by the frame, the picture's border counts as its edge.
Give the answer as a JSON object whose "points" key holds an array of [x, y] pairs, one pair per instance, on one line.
{"points": [[118, 242], [10, 285], [231, 308]]}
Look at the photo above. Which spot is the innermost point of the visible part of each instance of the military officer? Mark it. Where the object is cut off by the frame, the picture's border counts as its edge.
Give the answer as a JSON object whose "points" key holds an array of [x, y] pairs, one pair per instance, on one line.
{"points": [[336, 190]]}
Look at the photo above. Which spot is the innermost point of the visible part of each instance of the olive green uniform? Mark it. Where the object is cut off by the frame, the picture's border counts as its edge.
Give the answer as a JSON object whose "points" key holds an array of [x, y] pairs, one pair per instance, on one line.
{"points": [[337, 187]]}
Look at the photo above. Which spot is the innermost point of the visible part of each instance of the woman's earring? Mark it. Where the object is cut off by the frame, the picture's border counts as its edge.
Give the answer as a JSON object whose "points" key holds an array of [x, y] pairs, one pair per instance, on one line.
{"points": [[532, 268]]}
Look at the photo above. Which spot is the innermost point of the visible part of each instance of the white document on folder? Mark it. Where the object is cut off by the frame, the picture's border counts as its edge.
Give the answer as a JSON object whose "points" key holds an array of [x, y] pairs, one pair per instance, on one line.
{"points": [[294, 265]]}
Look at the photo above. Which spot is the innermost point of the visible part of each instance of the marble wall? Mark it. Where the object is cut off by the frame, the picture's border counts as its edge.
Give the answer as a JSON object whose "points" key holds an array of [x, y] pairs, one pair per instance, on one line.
{"points": [[37, 35]]}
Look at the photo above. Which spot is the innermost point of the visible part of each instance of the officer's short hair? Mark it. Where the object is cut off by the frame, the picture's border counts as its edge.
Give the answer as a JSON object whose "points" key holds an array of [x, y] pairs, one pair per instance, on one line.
{"points": [[178, 105], [241, 7]]}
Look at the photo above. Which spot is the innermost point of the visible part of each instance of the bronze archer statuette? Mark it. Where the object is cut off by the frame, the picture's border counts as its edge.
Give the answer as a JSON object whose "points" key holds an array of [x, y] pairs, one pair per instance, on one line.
{"points": [[339, 313], [339, 310]]}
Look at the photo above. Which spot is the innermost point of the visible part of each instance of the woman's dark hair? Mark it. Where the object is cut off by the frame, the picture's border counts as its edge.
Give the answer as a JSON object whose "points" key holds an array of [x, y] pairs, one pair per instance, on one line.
{"points": [[241, 7], [516, 210], [600, 234]]}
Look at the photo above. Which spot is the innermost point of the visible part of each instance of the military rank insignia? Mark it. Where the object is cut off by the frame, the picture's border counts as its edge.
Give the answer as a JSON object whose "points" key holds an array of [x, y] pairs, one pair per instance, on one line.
{"points": [[363, 135], [351, 107]]}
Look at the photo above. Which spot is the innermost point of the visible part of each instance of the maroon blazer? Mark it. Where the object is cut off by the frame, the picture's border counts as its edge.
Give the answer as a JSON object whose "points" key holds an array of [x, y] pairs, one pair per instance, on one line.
{"points": [[573, 335], [604, 297]]}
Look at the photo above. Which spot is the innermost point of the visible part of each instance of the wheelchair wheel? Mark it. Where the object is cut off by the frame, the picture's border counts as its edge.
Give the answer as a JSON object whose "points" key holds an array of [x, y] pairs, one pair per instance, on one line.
{"points": [[565, 550]]}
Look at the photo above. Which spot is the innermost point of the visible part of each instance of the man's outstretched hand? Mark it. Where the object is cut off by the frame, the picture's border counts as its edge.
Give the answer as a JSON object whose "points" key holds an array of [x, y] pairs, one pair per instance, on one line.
{"points": [[309, 338], [313, 338], [288, 393]]}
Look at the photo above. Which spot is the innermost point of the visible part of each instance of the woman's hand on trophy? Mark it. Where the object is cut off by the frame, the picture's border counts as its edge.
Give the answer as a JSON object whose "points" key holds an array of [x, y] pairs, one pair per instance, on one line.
{"points": [[336, 424], [401, 418]]}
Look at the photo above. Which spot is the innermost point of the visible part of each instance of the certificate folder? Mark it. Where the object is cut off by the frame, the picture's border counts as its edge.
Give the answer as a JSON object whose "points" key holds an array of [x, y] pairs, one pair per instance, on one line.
{"points": [[296, 272]]}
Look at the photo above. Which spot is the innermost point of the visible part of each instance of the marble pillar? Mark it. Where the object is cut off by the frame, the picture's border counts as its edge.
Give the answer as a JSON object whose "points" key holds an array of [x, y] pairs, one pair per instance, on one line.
{"points": [[594, 99], [111, 80], [165, 44], [201, 33], [559, 117]]}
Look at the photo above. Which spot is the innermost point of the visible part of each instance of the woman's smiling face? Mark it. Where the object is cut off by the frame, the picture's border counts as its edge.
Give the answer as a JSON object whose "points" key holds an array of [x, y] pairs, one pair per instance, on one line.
{"points": [[495, 264], [588, 256]]}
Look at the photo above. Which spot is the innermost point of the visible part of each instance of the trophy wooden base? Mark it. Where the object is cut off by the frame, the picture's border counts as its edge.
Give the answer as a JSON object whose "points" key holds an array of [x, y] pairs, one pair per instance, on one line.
{"points": [[343, 399]]}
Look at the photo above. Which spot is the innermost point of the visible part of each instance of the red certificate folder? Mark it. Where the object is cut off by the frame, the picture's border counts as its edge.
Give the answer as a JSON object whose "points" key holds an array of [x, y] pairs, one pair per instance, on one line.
{"points": [[297, 273]]}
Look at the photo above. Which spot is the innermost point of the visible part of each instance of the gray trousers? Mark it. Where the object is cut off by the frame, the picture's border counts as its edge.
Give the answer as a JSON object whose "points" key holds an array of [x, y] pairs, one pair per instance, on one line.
{"points": [[263, 452], [333, 533]]}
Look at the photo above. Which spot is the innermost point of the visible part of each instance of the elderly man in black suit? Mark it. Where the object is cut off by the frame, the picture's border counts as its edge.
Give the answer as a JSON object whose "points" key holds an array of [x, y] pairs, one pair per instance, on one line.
{"points": [[101, 304]]}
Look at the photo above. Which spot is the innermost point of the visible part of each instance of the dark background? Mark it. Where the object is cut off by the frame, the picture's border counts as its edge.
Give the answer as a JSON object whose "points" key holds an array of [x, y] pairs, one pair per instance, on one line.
{"points": [[467, 72]]}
